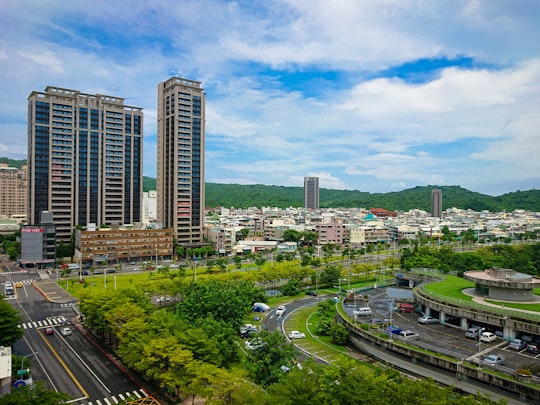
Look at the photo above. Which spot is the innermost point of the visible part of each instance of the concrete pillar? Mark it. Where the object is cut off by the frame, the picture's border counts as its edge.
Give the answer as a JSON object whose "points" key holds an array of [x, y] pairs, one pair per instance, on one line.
{"points": [[442, 317], [464, 324]]}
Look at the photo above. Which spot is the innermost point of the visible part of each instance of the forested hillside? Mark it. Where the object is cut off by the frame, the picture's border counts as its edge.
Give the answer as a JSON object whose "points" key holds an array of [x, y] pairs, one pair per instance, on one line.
{"points": [[258, 195]]}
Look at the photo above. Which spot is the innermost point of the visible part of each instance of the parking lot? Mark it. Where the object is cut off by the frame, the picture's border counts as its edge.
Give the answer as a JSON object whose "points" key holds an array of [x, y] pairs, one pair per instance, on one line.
{"points": [[446, 339]]}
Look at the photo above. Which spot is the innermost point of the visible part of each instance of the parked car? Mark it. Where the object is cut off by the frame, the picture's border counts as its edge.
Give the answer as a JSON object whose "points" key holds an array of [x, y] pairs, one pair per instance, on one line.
{"points": [[65, 331], [533, 348], [426, 320], [409, 334], [473, 332], [254, 344], [296, 335], [363, 311], [111, 270], [281, 310], [517, 344], [248, 330], [312, 293], [494, 360], [406, 307], [260, 307], [375, 322], [49, 331], [396, 330], [488, 337]]}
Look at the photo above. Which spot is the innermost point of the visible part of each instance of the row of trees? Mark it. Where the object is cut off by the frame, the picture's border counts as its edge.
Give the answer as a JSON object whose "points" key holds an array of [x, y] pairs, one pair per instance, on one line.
{"points": [[522, 258]]}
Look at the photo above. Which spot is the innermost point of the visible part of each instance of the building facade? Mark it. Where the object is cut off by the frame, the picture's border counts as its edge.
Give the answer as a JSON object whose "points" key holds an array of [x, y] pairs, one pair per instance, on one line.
{"points": [[180, 159], [311, 193], [38, 243], [84, 159], [436, 203], [123, 245], [13, 192]]}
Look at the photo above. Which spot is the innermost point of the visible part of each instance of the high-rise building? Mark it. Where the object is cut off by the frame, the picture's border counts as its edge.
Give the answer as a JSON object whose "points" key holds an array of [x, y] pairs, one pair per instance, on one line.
{"points": [[311, 193], [13, 191], [180, 159], [84, 159], [436, 203]]}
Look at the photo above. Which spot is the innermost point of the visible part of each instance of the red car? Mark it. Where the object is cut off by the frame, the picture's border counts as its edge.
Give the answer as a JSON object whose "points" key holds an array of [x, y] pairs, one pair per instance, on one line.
{"points": [[49, 331]]}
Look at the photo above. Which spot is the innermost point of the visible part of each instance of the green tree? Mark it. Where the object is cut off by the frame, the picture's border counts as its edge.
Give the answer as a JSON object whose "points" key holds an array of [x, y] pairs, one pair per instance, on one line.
{"points": [[264, 364], [34, 394], [292, 235], [9, 321]]}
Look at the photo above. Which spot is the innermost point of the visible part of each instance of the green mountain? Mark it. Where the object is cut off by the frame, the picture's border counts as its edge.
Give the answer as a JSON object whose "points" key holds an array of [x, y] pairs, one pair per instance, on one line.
{"points": [[258, 195]]}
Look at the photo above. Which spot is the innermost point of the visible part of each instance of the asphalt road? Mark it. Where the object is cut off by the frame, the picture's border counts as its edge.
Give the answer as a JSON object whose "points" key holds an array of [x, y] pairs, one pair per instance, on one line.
{"points": [[71, 364]]}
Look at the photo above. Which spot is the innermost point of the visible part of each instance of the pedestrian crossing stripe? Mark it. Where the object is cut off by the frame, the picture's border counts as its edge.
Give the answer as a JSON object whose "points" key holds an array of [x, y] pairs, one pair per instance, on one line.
{"points": [[50, 321], [115, 399]]}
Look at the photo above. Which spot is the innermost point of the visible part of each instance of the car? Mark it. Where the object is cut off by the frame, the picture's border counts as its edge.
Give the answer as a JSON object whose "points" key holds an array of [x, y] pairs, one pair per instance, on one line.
{"points": [[426, 320], [517, 344], [494, 360], [406, 307], [98, 271], [312, 293], [163, 298], [409, 334], [254, 344], [111, 270], [248, 330], [132, 263], [281, 310], [533, 348], [363, 311], [375, 322], [260, 307], [19, 284], [136, 269], [49, 331], [488, 337], [473, 332], [85, 273], [65, 331], [296, 335], [396, 330]]}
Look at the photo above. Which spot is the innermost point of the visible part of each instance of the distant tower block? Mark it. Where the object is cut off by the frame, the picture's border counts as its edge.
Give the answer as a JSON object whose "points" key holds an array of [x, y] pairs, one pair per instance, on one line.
{"points": [[436, 203], [311, 193]]}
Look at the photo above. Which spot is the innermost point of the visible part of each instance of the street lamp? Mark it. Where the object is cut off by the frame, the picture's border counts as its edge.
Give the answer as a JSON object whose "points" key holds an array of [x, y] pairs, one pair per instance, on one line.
{"points": [[24, 357], [480, 347]]}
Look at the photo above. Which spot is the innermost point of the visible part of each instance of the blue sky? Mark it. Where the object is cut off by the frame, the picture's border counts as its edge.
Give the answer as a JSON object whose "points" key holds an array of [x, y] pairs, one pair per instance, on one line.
{"points": [[376, 96]]}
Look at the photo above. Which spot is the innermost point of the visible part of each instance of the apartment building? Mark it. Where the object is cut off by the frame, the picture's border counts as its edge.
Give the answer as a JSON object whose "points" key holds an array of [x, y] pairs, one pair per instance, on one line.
{"points": [[180, 159], [84, 159], [13, 192], [123, 245]]}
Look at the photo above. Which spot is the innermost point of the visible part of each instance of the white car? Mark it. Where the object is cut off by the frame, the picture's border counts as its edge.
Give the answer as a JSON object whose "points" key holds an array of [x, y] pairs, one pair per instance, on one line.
{"points": [[65, 331], [296, 335], [409, 334], [281, 310], [488, 337], [426, 320]]}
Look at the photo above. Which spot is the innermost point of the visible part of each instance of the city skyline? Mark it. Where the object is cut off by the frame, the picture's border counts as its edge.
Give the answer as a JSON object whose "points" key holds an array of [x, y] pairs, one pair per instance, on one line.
{"points": [[375, 97]]}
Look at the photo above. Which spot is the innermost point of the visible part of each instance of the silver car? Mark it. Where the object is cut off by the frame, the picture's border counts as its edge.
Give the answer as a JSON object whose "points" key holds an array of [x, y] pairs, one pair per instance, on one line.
{"points": [[494, 360]]}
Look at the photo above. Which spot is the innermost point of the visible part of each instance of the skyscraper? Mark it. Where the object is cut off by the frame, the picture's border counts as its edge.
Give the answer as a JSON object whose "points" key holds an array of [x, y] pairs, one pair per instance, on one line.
{"points": [[84, 159], [436, 203], [180, 158], [311, 193]]}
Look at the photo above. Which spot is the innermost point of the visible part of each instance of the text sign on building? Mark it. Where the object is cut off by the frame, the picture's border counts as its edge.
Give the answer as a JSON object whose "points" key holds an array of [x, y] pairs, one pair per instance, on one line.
{"points": [[32, 230]]}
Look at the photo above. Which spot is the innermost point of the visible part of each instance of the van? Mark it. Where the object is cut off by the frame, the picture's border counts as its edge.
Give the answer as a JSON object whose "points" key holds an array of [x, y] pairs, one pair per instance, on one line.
{"points": [[473, 332], [405, 307], [363, 311]]}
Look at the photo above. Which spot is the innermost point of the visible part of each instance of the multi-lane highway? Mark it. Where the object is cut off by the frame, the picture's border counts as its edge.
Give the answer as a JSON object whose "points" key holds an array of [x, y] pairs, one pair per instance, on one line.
{"points": [[72, 364]]}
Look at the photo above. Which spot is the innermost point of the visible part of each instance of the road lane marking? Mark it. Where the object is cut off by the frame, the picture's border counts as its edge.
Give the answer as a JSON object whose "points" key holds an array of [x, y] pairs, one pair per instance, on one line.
{"points": [[107, 401], [68, 371]]}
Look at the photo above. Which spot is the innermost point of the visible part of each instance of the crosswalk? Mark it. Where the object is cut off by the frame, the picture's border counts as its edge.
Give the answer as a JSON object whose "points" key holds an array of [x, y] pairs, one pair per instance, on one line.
{"points": [[50, 321], [113, 399], [4, 273]]}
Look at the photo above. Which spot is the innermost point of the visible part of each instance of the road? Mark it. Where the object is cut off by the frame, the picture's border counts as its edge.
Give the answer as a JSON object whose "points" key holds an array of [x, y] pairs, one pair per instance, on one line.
{"points": [[71, 364]]}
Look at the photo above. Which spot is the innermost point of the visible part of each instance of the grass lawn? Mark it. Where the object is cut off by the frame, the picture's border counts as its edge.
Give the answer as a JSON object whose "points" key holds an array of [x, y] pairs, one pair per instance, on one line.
{"points": [[451, 287]]}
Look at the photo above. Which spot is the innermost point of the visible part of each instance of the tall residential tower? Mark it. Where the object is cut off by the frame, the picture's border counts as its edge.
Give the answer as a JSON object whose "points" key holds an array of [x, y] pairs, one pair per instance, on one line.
{"points": [[436, 203], [180, 159], [84, 159], [311, 193]]}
